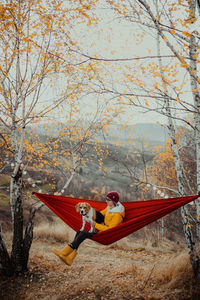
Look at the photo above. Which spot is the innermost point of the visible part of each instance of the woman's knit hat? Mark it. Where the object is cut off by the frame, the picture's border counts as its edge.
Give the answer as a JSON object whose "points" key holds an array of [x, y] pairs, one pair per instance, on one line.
{"points": [[114, 196]]}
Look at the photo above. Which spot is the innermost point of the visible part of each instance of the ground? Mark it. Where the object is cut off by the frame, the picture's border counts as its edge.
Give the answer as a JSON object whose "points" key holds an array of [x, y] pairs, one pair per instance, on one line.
{"points": [[124, 270]]}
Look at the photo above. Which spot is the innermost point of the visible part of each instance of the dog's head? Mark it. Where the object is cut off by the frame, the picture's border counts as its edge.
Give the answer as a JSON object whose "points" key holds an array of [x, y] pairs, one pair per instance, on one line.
{"points": [[83, 208]]}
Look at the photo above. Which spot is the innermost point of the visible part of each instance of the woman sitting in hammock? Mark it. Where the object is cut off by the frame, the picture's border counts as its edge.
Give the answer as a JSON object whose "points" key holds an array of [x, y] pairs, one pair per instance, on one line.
{"points": [[113, 216]]}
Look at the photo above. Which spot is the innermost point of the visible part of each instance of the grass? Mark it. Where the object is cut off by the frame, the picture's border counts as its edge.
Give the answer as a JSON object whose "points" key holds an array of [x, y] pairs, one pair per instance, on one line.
{"points": [[4, 194], [51, 232], [129, 269], [4, 199], [4, 180], [174, 271]]}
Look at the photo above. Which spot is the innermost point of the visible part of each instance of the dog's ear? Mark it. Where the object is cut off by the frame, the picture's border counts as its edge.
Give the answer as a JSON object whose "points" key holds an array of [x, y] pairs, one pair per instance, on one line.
{"points": [[88, 206], [77, 207]]}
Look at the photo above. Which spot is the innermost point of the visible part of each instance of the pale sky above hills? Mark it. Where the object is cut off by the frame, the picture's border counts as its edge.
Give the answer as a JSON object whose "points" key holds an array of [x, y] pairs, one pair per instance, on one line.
{"points": [[112, 38]]}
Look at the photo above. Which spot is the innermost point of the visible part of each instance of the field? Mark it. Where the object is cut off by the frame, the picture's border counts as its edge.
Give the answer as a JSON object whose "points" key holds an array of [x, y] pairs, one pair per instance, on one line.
{"points": [[136, 267]]}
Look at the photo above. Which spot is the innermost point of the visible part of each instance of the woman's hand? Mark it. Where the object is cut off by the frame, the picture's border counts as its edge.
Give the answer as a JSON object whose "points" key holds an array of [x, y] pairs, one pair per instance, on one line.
{"points": [[93, 223]]}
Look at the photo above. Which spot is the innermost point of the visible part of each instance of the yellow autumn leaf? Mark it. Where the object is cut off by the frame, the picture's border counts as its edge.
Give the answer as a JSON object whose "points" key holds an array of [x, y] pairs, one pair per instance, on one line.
{"points": [[186, 33], [195, 55]]}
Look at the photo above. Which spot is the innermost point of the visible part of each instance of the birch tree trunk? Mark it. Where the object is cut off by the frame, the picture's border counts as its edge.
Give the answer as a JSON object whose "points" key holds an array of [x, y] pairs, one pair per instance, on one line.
{"points": [[193, 52], [31, 50], [184, 213], [5, 261], [196, 99], [190, 242], [17, 243]]}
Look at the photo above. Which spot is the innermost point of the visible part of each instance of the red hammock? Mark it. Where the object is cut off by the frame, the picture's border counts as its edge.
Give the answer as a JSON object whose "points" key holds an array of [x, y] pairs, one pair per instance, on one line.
{"points": [[138, 214]]}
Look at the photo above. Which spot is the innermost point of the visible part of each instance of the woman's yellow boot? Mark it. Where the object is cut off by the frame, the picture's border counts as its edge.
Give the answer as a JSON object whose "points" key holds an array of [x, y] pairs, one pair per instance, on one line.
{"points": [[63, 252], [70, 258]]}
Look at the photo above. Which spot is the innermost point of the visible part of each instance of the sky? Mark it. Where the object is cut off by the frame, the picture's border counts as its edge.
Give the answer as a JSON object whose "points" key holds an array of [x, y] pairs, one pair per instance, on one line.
{"points": [[113, 39]]}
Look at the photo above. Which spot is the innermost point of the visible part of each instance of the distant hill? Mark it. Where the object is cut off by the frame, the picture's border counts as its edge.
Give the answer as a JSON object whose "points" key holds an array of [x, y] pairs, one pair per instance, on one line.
{"points": [[153, 134]]}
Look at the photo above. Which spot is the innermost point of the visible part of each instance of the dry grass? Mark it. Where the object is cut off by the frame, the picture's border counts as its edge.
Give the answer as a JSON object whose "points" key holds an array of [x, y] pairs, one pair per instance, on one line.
{"points": [[147, 243], [132, 268], [4, 199], [52, 232], [174, 271]]}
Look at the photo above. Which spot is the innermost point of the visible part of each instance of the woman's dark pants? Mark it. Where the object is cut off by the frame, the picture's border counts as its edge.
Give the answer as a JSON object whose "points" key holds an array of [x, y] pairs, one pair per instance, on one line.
{"points": [[79, 238]]}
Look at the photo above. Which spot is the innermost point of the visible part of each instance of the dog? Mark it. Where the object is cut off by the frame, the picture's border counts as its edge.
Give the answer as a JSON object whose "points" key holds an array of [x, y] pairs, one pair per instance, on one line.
{"points": [[88, 214]]}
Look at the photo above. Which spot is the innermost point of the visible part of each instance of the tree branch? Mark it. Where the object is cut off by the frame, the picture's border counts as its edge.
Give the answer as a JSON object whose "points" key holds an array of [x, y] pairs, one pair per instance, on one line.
{"points": [[5, 261]]}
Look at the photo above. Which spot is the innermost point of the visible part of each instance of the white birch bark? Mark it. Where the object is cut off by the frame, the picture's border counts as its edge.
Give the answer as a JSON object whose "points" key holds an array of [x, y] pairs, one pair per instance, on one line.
{"points": [[179, 172], [74, 161], [196, 99], [174, 147]]}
